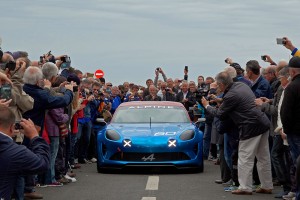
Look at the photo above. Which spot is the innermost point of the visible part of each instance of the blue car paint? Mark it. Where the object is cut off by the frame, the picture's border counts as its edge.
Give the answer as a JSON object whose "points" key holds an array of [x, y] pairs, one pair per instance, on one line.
{"points": [[149, 140]]}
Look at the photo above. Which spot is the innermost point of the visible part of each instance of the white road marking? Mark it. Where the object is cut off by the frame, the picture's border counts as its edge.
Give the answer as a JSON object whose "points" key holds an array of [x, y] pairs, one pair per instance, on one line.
{"points": [[149, 198], [152, 183]]}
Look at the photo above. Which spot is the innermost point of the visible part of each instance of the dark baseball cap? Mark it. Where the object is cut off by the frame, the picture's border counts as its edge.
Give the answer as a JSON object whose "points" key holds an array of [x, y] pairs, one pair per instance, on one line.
{"points": [[294, 62]]}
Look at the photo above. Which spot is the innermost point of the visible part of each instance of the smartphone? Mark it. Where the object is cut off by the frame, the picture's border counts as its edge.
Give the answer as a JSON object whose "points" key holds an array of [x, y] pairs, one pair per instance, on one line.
{"points": [[41, 59], [18, 126], [186, 68], [5, 92], [264, 58], [280, 41], [75, 88], [63, 59]]}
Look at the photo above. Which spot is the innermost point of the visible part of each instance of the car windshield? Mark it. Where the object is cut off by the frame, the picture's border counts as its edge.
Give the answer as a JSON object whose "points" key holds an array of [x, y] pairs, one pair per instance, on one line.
{"points": [[157, 114]]}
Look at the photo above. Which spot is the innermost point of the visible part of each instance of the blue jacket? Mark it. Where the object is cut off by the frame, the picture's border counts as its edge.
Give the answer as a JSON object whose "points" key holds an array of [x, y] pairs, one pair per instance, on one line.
{"points": [[43, 101], [262, 88], [242, 79], [16, 160], [115, 102]]}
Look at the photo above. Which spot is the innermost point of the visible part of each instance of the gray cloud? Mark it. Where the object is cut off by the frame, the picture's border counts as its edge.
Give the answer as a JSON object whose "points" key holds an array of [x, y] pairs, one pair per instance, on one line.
{"points": [[128, 39]]}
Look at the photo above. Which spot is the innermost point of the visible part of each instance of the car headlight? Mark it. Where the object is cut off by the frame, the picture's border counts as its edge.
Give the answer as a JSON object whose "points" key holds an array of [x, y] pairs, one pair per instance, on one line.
{"points": [[112, 135], [187, 135]]}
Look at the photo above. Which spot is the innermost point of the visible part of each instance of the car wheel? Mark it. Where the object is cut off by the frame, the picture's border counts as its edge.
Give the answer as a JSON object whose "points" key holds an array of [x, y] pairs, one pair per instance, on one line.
{"points": [[101, 169]]}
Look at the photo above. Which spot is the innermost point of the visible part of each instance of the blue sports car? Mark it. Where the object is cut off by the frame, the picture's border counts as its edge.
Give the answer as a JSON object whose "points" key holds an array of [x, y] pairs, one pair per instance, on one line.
{"points": [[150, 134]]}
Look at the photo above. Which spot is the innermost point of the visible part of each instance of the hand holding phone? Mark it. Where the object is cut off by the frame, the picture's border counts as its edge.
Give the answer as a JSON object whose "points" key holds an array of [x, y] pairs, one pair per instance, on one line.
{"points": [[264, 58], [5, 92], [281, 41]]}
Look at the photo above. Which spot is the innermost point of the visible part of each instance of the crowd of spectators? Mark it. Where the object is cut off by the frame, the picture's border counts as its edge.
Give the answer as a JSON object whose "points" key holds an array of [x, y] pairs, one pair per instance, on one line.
{"points": [[251, 127]]}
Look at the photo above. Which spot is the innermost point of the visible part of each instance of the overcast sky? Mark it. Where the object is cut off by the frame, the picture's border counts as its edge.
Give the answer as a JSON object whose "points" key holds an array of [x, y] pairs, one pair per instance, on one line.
{"points": [[128, 39]]}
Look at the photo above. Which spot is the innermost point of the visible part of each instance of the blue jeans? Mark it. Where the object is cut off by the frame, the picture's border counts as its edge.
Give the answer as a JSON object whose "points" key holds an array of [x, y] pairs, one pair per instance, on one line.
{"points": [[227, 151], [206, 140], [54, 144], [83, 139], [73, 140], [278, 157], [19, 188]]}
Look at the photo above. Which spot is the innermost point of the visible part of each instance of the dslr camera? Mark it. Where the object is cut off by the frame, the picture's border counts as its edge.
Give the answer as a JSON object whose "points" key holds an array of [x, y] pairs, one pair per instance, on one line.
{"points": [[11, 66], [201, 92]]}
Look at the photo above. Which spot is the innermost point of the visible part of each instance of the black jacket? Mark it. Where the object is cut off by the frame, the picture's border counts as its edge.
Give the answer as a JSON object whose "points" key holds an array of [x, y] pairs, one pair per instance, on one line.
{"points": [[238, 104], [179, 98], [290, 108], [17, 160], [149, 98]]}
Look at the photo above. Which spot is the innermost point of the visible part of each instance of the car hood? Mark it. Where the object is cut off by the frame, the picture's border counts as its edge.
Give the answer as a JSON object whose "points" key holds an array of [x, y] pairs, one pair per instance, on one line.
{"points": [[144, 130]]}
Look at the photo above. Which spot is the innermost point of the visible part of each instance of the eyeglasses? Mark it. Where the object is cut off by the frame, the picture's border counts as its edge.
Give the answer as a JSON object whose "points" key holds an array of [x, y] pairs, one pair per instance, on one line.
{"points": [[109, 85]]}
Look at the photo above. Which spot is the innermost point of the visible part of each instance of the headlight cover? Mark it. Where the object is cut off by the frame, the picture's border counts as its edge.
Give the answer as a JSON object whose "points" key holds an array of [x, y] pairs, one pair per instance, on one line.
{"points": [[187, 135], [112, 135]]}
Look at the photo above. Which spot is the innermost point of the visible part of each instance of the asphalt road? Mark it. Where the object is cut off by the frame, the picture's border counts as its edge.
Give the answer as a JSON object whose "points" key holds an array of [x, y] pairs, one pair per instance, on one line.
{"points": [[147, 184]]}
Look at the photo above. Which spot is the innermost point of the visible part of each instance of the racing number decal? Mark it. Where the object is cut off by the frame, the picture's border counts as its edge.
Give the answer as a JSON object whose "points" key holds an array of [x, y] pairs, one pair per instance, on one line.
{"points": [[150, 158], [164, 133]]}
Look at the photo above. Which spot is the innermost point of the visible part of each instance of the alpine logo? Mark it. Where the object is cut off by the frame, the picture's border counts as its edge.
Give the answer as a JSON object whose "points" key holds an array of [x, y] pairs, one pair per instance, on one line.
{"points": [[149, 158]]}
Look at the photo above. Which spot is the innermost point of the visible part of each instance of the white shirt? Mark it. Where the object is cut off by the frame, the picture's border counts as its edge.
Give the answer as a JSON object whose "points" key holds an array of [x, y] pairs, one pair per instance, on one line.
{"points": [[184, 94]]}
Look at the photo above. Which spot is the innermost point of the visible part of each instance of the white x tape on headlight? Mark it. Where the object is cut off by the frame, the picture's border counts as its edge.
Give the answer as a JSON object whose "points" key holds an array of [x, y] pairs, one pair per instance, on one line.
{"points": [[172, 143], [127, 143]]}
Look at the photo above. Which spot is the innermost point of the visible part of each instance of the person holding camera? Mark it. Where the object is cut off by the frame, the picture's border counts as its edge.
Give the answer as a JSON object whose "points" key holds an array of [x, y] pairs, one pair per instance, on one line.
{"points": [[184, 95], [158, 71], [17, 160], [171, 86], [153, 94], [166, 94], [238, 104], [289, 45], [34, 85]]}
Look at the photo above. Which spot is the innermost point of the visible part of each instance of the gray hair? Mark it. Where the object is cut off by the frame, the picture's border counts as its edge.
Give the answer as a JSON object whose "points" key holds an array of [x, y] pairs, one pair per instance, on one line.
{"points": [[224, 78], [32, 75], [284, 72], [49, 70], [231, 71]]}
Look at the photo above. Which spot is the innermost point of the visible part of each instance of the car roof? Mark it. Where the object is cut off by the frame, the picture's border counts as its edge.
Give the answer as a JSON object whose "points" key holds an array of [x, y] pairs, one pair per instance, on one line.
{"points": [[151, 103]]}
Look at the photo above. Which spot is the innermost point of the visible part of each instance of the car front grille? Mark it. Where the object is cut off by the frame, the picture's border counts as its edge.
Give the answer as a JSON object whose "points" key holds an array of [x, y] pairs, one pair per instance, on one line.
{"points": [[149, 157]]}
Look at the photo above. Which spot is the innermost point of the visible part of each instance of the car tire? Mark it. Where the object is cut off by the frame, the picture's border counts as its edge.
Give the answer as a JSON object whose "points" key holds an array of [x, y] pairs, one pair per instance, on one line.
{"points": [[101, 169]]}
